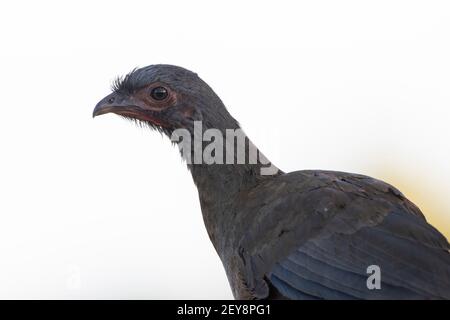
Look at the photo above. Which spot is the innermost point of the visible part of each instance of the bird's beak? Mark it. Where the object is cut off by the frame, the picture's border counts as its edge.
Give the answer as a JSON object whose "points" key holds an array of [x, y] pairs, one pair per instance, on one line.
{"points": [[115, 103]]}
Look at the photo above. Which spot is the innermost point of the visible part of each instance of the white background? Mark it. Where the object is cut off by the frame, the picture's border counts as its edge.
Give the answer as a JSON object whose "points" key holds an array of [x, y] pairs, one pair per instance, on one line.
{"points": [[101, 209]]}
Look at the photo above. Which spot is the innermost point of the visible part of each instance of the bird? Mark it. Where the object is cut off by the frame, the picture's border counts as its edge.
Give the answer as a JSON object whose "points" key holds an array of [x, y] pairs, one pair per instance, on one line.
{"points": [[303, 235]]}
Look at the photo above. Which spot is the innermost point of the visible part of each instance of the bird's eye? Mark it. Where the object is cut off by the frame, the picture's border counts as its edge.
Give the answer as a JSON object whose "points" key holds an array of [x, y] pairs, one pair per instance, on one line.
{"points": [[159, 93]]}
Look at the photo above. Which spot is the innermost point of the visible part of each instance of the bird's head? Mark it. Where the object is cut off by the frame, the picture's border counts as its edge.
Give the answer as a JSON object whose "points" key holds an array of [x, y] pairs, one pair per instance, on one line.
{"points": [[165, 98]]}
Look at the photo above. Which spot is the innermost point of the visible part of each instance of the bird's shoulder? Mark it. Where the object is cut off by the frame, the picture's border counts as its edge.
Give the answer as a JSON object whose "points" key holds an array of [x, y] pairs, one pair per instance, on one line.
{"points": [[311, 199]]}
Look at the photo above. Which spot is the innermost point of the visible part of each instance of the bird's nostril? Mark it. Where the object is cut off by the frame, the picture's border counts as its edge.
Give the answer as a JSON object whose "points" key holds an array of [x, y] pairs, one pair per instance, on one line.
{"points": [[111, 100]]}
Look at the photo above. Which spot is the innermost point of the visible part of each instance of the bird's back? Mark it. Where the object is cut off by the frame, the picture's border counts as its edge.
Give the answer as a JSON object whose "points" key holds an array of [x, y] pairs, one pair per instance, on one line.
{"points": [[314, 234]]}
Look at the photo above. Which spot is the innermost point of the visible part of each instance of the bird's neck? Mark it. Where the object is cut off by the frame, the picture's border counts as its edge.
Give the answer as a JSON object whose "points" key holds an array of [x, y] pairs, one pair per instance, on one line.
{"points": [[219, 187], [220, 184]]}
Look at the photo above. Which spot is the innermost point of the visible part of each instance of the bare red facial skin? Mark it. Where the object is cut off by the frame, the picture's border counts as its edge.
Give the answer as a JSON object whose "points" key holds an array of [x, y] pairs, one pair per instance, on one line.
{"points": [[143, 100], [147, 102]]}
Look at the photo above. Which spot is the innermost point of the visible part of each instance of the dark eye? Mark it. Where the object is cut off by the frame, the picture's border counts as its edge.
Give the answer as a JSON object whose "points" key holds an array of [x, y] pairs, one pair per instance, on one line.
{"points": [[159, 93]]}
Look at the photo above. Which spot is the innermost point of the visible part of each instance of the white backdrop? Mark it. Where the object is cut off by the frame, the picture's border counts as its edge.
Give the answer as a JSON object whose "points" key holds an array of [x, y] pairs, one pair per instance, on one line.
{"points": [[102, 209]]}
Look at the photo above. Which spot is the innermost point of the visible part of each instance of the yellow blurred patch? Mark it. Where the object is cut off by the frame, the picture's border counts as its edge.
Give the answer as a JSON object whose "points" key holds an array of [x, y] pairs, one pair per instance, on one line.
{"points": [[429, 195]]}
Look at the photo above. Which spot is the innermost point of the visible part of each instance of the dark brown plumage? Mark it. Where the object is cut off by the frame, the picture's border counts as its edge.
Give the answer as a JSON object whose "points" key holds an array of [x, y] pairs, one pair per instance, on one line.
{"points": [[299, 235]]}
